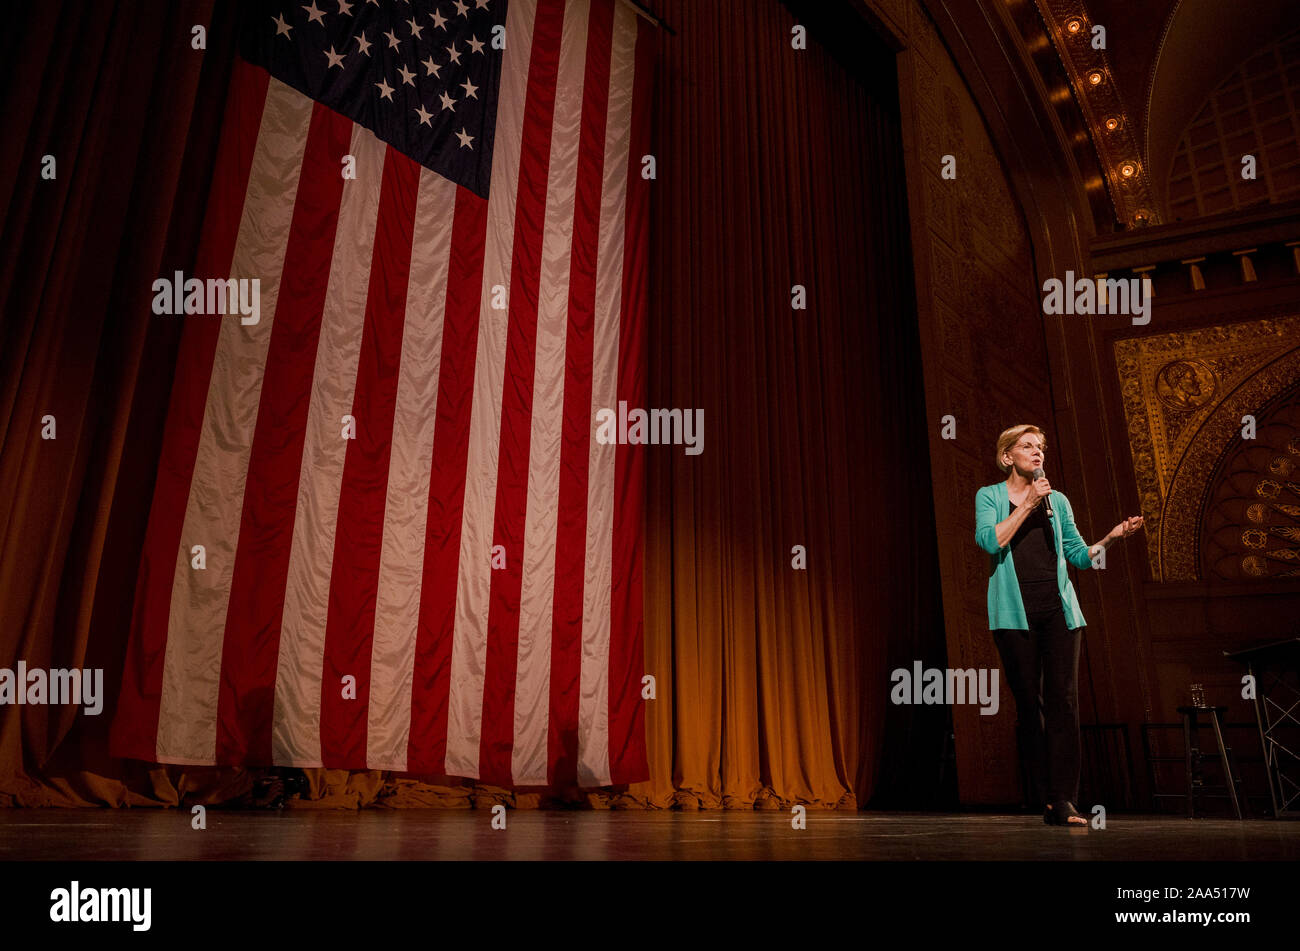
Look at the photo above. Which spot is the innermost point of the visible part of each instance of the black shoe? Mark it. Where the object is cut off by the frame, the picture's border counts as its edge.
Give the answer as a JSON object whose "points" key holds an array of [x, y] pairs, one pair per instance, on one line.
{"points": [[1060, 814]]}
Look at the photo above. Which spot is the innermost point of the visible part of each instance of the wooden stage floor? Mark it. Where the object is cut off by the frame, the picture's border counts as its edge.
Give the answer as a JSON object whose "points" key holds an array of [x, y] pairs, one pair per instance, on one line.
{"points": [[303, 835]]}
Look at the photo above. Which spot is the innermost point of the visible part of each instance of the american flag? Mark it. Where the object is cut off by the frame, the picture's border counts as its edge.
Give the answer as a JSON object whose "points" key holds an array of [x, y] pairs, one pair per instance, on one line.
{"points": [[416, 555]]}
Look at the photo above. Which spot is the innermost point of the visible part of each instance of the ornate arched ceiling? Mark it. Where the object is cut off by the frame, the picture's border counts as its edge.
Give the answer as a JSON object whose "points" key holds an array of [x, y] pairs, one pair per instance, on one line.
{"points": [[1206, 40], [1163, 59], [1254, 113]]}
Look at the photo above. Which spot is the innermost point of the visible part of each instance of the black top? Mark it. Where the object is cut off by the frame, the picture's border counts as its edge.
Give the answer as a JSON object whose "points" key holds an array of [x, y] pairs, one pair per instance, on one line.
{"points": [[1033, 550]]}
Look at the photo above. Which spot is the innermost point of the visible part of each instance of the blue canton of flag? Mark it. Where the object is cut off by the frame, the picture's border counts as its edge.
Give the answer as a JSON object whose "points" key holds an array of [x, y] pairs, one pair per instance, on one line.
{"points": [[423, 75]]}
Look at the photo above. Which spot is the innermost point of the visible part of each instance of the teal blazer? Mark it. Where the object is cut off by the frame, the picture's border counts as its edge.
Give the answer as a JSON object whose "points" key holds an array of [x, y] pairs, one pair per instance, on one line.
{"points": [[1006, 610]]}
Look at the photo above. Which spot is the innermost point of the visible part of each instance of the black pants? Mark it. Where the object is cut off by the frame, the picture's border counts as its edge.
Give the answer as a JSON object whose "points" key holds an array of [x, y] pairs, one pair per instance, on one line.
{"points": [[1042, 669]]}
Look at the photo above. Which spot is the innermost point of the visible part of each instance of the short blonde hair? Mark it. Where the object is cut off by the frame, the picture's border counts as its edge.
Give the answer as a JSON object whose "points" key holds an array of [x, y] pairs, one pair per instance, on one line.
{"points": [[1012, 436]]}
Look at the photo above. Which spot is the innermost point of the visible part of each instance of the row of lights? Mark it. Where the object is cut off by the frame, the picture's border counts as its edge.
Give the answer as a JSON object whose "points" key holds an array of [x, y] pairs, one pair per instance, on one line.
{"points": [[1074, 26]]}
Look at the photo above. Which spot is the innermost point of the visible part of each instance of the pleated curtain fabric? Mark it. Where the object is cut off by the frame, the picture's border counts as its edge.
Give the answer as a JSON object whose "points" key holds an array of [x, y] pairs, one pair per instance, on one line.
{"points": [[783, 167]]}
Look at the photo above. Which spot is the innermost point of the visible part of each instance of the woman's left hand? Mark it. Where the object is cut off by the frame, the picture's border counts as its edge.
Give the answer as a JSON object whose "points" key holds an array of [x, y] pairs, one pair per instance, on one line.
{"points": [[1126, 528]]}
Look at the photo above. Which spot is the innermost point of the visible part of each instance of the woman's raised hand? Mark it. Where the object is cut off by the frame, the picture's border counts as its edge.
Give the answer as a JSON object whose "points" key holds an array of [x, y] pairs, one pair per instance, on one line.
{"points": [[1127, 527]]}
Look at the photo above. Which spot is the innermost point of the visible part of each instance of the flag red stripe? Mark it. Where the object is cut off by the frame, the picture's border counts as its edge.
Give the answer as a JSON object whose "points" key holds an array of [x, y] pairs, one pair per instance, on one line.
{"points": [[571, 538], [358, 541], [135, 726], [627, 754], [250, 649], [496, 739], [431, 682]]}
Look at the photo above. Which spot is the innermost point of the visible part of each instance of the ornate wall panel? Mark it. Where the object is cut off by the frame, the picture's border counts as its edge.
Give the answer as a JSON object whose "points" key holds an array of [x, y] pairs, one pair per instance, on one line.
{"points": [[1184, 396], [984, 352]]}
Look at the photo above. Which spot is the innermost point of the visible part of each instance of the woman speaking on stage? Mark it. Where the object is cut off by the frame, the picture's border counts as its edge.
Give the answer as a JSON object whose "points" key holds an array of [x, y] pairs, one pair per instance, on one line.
{"points": [[1028, 530]]}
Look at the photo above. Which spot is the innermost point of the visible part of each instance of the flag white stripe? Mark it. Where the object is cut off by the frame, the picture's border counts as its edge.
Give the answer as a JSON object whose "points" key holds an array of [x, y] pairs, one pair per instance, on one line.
{"points": [[537, 594], [406, 510], [473, 586], [295, 730], [593, 702], [187, 716]]}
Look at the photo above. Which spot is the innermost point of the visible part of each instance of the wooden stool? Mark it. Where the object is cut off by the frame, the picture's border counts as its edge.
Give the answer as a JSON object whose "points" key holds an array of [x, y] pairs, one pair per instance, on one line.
{"points": [[1193, 753]]}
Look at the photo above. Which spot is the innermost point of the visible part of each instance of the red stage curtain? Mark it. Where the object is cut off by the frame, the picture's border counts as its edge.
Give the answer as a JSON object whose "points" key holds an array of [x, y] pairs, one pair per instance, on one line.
{"points": [[775, 167], [117, 94], [780, 167]]}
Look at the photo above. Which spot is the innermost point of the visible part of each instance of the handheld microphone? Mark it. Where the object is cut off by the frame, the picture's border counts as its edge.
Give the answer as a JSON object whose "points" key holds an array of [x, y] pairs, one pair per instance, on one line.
{"points": [[1047, 500]]}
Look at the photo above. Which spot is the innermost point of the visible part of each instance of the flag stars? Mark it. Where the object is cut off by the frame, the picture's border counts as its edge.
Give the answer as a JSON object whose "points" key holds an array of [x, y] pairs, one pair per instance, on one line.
{"points": [[436, 87]]}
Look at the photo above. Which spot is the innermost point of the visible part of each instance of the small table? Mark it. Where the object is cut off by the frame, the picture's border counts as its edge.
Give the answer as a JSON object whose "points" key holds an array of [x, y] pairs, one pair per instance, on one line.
{"points": [[1193, 753]]}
